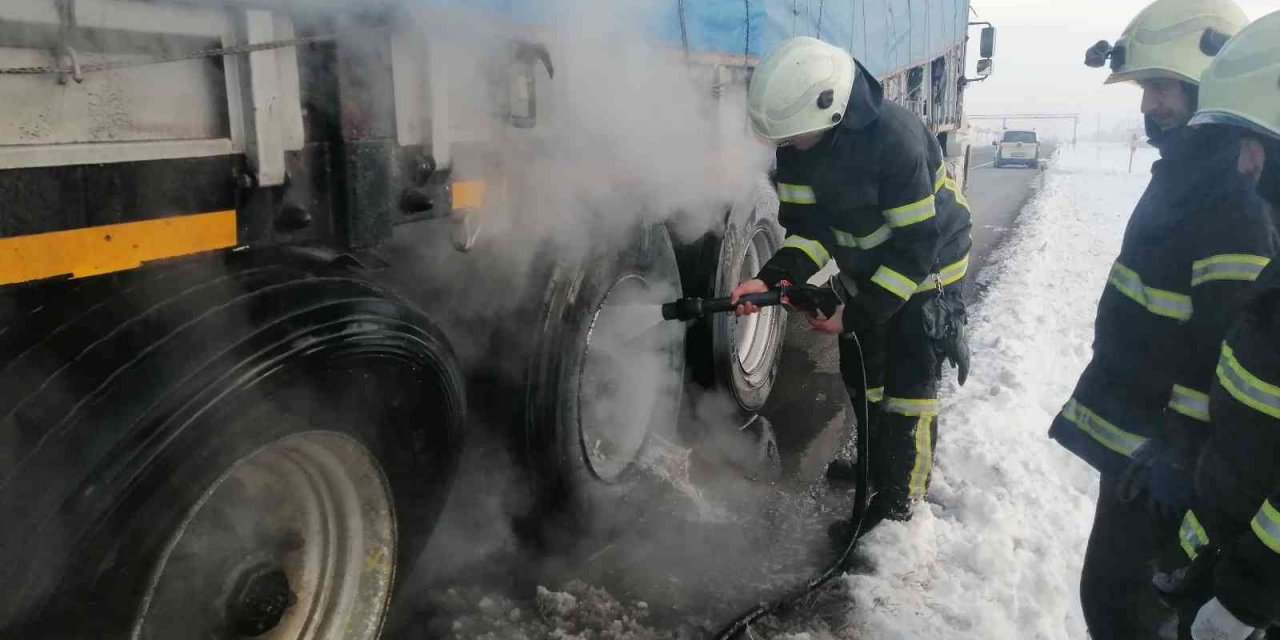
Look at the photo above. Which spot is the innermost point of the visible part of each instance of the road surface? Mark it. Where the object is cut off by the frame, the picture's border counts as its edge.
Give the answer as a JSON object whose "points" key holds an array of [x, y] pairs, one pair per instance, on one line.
{"points": [[995, 198]]}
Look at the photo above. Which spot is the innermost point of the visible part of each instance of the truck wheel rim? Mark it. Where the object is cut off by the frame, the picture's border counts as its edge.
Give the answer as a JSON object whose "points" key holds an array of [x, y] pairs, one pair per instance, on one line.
{"points": [[295, 541], [755, 333], [626, 378]]}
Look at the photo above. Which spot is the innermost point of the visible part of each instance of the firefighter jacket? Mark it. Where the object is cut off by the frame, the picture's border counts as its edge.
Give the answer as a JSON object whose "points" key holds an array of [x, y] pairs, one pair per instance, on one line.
{"points": [[875, 195], [1197, 239], [1238, 474]]}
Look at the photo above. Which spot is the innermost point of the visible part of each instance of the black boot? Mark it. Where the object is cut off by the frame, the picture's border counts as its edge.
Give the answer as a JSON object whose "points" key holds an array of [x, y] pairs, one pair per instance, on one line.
{"points": [[840, 530], [893, 508]]}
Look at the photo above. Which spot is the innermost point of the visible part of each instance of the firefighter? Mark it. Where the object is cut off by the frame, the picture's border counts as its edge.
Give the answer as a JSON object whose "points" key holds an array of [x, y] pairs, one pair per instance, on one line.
{"points": [[1232, 535], [863, 181], [1193, 244]]}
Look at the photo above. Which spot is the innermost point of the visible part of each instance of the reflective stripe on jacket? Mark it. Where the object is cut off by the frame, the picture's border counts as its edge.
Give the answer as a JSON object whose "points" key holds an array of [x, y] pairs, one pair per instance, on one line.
{"points": [[1238, 470], [1197, 239]]}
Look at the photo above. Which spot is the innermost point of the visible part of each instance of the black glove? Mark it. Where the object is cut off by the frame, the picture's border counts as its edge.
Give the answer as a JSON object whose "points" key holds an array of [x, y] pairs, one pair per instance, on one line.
{"points": [[945, 318], [1167, 480], [811, 299]]}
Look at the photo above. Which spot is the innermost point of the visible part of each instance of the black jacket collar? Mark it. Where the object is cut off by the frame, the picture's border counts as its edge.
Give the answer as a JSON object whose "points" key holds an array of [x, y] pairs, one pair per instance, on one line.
{"points": [[864, 100]]}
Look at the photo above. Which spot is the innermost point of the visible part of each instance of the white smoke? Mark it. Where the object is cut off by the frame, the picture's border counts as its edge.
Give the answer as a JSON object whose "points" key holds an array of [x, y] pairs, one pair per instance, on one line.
{"points": [[627, 131]]}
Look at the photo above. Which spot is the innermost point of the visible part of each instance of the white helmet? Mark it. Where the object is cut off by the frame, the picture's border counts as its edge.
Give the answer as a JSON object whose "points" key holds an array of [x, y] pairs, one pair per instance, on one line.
{"points": [[801, 87], [1163, 40], [1242, 86]]}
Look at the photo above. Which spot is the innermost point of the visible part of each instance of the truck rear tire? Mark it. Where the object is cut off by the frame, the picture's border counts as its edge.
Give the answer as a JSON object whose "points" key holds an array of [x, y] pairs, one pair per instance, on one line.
{"points": [[219, 451], [738, 356], [604, 376]]}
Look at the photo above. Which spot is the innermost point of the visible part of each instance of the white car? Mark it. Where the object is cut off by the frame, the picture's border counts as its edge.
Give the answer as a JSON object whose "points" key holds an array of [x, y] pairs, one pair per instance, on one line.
{"points": [[1018, 147]]}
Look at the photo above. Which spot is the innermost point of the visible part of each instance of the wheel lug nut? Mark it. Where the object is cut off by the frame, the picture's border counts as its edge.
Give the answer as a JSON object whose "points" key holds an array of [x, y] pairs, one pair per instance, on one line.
{"points": [[259, 600]]}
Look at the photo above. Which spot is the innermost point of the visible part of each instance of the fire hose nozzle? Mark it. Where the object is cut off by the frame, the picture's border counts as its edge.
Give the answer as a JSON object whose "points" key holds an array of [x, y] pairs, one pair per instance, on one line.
{"points": [[805, 297], [686, 309]]}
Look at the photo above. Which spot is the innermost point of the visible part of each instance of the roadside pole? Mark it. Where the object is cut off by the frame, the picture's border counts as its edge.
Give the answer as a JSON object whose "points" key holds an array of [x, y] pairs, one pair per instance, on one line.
{"points": [[1133, 148]]}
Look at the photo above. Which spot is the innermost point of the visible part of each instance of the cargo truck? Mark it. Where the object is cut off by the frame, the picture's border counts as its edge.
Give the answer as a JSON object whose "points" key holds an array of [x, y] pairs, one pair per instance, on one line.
{"points": [[249, 289]]}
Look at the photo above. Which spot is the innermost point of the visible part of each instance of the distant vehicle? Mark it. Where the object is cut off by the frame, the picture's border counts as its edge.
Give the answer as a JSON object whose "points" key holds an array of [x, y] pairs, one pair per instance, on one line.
{"points": [[1018, 147]]}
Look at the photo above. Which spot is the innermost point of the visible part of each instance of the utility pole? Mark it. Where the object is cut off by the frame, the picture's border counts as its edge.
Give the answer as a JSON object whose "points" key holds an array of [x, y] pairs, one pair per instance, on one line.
{"points": [[1133, 148]]}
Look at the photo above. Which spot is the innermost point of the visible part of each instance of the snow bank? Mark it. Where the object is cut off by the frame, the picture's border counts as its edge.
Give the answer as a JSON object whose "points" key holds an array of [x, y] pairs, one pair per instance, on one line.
{"points": [[998, 553]]}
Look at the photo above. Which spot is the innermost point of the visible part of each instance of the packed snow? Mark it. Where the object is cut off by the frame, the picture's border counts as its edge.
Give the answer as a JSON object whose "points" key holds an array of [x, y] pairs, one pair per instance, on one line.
{"points": [[578, 612], [998, 552]]}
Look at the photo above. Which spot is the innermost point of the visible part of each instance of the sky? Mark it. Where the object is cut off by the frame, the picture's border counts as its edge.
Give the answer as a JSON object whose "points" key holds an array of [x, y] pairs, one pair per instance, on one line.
{"points": [[1039, 60]]}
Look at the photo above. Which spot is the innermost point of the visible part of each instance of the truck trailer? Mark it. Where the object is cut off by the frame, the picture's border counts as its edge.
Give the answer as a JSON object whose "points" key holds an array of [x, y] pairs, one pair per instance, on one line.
{"points": [[264, 264]]}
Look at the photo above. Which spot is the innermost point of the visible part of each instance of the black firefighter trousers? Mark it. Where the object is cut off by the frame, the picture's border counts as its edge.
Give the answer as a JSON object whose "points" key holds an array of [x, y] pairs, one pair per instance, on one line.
{"points": [[902, 392], [1119, 600]]}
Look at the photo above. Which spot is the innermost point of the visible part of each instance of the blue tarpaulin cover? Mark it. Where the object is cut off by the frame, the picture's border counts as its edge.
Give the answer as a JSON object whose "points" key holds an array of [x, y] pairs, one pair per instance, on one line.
{"points": [[885, 35]]}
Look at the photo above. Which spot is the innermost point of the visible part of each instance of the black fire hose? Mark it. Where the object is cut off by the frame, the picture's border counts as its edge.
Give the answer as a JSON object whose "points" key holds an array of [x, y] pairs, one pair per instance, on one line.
{"points": [[862, 498], [812, 299], [805, 297]]}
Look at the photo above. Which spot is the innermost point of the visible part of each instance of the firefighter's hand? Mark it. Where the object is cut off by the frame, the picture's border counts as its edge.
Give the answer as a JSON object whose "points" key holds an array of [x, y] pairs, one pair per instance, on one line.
{"points": [[833, 325], [751, 286], [1155, 469]]}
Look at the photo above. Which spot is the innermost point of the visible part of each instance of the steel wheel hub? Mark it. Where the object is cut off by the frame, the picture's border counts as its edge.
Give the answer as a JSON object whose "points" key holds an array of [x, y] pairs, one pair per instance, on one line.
{"points": [[295, 541]]}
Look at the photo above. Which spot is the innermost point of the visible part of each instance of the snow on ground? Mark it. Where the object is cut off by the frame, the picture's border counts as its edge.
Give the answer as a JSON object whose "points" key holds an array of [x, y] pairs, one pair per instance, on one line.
{"points": [[578, 612], [998, 552]]}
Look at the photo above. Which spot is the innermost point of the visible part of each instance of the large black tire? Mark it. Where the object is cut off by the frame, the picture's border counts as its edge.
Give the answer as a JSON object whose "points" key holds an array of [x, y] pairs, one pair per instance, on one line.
{"points": [[736, 356], [124, 400], [585, 384]]}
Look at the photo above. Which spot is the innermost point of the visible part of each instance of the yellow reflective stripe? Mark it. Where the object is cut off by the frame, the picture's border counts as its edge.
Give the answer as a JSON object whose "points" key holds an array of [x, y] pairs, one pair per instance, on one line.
{"points": [[467, 194], [875, 394], [796, 193], [949, 274], [940, 177], [919, 480], [909, 214], [811, 248], [875, 239], [1266, 525], [1246, 387], [1228, 266], [894, 282], [870, 241], [1169, 304], [1190, 403], [954, 187], [1192, 536], [1107, 434], [91, 251], [912, 406]]}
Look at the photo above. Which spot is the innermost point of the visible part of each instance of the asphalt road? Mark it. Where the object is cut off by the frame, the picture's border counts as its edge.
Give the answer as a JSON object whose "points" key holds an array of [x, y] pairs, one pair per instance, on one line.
{"points": [[995, 198]]}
